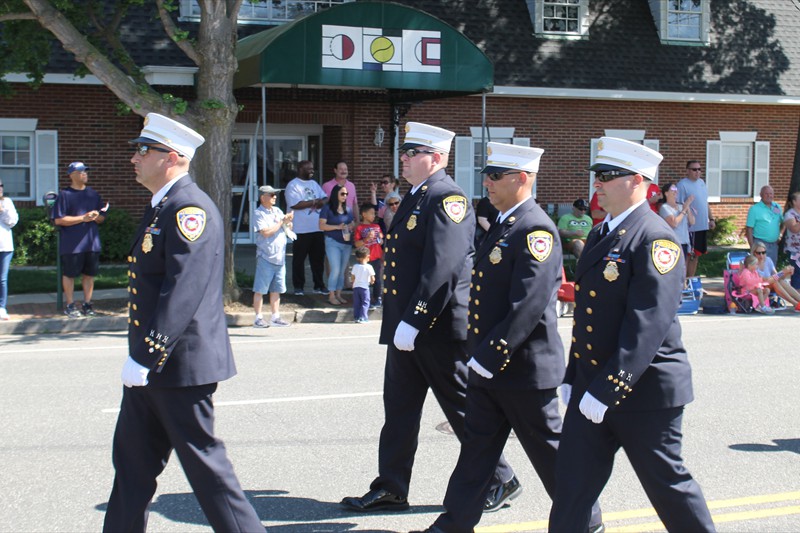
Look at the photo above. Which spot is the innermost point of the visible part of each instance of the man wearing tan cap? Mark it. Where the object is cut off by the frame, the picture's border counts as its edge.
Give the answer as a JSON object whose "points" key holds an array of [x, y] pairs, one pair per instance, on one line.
{"points": [[628, 377], [427, 261], [178, 342]]}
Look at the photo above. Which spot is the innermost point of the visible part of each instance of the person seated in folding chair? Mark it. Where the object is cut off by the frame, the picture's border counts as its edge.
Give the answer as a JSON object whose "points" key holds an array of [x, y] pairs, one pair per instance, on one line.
{"points": [[777, 281], [750, 283]]}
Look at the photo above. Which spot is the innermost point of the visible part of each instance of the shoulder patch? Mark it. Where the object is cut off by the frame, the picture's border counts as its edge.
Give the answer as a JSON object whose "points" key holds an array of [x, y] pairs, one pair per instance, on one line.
{"points": [[540, 244], [455, 207], [191, 222], [665, 255]]}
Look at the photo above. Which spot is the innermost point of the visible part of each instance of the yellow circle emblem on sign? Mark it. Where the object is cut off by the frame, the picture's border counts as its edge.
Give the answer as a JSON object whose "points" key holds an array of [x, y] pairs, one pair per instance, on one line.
{"points": [[382, 49]]}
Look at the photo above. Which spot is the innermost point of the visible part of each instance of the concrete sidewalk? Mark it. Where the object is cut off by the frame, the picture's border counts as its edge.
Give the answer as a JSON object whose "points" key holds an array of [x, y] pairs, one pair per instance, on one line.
{"points": [[37, 313]]}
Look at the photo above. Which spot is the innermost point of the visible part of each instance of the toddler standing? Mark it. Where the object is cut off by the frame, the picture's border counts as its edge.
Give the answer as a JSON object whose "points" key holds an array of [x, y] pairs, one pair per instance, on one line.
{"points": [[751, 282], [362, 275]]}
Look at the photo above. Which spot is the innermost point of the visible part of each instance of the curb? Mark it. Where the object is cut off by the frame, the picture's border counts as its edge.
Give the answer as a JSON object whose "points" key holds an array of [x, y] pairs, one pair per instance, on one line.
{"points": [[50, 326]]}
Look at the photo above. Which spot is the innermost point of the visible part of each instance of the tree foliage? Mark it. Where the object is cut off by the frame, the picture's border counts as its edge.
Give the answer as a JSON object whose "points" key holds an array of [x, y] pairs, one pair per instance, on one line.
{"points": [[90, 30]]}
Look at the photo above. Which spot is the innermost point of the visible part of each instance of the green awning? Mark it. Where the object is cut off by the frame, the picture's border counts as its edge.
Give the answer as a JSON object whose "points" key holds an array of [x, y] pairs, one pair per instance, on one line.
{"points": [[365, 44]]}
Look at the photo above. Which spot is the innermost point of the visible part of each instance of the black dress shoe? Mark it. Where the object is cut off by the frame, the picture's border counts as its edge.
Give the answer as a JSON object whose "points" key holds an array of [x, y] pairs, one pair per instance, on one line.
{"points": [[499, 496], [375, 500], [599, 528], [432, 529]]}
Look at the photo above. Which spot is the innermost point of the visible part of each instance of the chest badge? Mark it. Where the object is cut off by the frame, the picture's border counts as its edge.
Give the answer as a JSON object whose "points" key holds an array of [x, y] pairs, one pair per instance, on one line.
{"points": [[496, 255], [147, 243], [412, 222], [611, 272]]}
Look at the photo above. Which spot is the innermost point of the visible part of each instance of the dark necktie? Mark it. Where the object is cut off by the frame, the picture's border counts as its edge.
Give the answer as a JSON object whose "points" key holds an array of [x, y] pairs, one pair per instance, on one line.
{"points": [[604, 230]]}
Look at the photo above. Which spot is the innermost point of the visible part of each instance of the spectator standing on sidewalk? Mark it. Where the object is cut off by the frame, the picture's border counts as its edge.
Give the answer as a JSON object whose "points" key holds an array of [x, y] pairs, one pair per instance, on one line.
{"points": [[362, 276], [305, 198], [8, 219], [340, 173], [271, 242], [369, 234], [764, 222], [693, 185], [77, 213]]}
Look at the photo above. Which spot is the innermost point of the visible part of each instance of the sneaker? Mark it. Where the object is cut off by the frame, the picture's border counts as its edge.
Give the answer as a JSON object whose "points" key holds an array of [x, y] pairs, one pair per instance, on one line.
{"points": [[765, 310], [278, 323], [299, 292], [259, 323], [71, 311], [797, 308], [3, 314], [321, 290], [87, 309]]}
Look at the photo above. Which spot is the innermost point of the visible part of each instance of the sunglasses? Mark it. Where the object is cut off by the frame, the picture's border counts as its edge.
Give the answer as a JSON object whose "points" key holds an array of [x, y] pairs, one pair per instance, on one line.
{"points": [[342, 194], [608, 175], [392, 204], [144, 149], [760, 253], [673, 189], [411, 152], [497, 176]]}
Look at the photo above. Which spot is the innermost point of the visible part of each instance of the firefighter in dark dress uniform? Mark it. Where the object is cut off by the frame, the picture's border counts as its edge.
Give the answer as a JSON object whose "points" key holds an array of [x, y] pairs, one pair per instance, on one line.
{"points": [[427, 264], [628, 377], [516, 354], [177, 340]]}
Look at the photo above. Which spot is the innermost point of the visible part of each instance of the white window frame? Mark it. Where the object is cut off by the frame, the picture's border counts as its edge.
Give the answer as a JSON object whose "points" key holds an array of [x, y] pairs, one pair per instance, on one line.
{"points": [[759, 164], [43, 162], [661, 11], [637, 136], [466, 148], [536, 10], [277, 11]]}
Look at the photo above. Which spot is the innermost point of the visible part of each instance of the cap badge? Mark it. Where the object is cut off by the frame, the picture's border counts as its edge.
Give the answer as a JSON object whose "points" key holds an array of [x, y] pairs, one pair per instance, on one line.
{"points": [[191, 222], [540, 244], [496, 256], [455, 207], [665, 255], [611, 272]]}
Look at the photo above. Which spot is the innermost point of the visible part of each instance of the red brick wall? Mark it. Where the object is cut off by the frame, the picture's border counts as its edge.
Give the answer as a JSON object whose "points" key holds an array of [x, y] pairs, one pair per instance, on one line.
{"points": [[90, 130]]}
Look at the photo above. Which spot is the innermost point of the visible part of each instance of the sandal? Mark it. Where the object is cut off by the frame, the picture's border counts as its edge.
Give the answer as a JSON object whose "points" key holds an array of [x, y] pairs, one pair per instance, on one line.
{"points": [[334, 301]]}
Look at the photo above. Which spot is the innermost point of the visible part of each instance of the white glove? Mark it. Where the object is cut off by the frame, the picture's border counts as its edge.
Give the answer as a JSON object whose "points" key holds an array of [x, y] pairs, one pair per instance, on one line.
{"points": [[404, 336], [476, 366], [134, 374], [566, 393], [592, 408]]}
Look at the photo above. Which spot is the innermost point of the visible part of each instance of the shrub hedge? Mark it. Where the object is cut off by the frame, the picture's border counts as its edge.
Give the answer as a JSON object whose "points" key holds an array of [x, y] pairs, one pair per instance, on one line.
{"points": [[35, 237]]}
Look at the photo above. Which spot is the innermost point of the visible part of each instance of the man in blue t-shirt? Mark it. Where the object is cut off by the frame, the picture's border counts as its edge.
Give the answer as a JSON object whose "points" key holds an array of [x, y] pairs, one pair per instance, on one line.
{"points": [[77, 212]]}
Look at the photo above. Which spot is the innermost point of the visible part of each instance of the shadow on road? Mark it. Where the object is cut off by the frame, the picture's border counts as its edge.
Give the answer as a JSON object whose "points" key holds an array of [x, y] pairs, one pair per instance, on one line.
{"points": [[780, 445], [302, 515]]}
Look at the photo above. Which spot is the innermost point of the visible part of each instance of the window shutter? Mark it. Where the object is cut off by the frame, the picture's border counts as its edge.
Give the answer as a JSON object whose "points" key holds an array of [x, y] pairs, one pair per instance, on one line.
{"points": [[714, 170], [760, 168], [593, 151], [653, 145], [465, 165], [45, 177]]}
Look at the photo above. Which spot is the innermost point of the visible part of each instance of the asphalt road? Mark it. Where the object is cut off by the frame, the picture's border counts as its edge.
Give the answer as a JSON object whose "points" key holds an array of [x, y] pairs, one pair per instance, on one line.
{"points": [[302, 418]]}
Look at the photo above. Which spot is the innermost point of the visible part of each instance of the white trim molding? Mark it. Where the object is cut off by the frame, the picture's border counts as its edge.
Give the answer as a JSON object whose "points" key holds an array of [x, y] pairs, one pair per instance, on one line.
{"points": [[642, 96]]}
